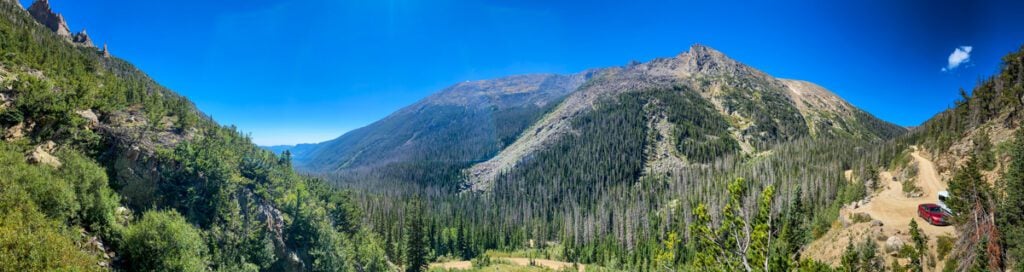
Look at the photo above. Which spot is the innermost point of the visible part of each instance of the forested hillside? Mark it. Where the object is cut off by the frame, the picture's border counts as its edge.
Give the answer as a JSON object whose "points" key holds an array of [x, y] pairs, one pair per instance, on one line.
{"points": [[980, 147], [102, 168], [695, 162], [626, 170], [431, 141]]}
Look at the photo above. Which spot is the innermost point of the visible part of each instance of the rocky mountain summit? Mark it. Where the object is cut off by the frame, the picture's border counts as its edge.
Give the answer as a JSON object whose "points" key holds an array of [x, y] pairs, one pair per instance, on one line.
{"points": [[83, 39], [700, 105], [759, 110], [41, 11], [44, 14]]}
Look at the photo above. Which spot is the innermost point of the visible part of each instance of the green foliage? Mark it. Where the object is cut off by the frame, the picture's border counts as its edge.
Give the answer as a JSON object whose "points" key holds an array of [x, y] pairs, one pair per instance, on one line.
{"points": [[919, 249], [30, 238], [482, 261], [944, 244], [1010, 213], [862, 257], [213, 176], [31, 242], [983, 150], [728, 246], [860, 218], [97, 202], [416, 246], [972, 201], [163, 241]]}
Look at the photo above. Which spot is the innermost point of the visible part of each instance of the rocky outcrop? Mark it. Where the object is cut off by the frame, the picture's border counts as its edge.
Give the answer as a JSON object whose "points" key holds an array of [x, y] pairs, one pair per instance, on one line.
{"points": [[276, 225], [105, 51], [40, 10], [41, 155], [82, 38], [89, 115], [894, 244]]}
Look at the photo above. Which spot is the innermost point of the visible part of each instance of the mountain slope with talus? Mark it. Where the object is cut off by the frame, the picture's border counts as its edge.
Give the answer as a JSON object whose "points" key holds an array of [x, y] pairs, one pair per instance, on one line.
{"points": [[710, 106], [706, 106]]}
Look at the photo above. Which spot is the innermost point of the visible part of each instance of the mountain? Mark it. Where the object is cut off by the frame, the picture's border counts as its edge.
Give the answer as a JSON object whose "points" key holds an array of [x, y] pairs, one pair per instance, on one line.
{"points": [[445, 132], [104, 169], [699, 105], [299, 150]]}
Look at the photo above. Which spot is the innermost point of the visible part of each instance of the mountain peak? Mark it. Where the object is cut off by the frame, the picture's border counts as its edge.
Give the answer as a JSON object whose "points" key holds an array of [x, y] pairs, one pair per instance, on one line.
{"points": [[82, 38], [698, 49], [702, 59], [41, 11]]}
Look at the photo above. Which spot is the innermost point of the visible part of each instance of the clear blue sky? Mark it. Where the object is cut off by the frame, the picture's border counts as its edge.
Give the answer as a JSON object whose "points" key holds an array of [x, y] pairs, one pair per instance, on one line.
{"points": [[309, 70]]}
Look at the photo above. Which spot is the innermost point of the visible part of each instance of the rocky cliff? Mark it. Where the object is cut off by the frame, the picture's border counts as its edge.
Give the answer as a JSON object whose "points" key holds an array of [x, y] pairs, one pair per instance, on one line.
{"points": [[44, 14]]}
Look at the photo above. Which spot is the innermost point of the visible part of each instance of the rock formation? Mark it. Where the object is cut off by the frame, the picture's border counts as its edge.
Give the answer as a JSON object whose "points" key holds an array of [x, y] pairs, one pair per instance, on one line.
{"points": [[40, 10], [82, 38], [42, 155], [105, 51]]}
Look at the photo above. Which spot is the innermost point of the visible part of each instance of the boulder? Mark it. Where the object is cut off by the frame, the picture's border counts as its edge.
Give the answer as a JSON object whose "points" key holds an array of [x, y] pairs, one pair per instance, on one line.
{"points": [[15, 132], [876, 223], [894, 243], [90, 116], [40, 155]]}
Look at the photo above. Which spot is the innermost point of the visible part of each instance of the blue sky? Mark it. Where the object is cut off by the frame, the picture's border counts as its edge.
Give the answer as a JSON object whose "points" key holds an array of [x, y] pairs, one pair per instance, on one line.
{"points": [[297, 71]]}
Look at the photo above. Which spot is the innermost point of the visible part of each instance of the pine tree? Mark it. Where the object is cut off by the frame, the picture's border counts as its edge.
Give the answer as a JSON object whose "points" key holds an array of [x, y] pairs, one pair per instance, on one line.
{"points": [[1010, 215], [983, 150], [919, 247], [793, 233], [971, 199], [416, 246], [850, 260], [465, 251]]}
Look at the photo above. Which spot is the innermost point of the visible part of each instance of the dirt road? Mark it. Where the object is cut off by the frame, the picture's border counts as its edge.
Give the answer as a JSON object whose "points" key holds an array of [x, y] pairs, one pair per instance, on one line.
{"points": [[895, 210], [890, 207]]}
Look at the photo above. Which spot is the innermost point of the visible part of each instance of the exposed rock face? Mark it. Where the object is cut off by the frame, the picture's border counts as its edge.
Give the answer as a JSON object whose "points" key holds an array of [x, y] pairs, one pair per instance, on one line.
{"points": [[105, 51], [41, 155], [40, 10], [90, 116], [761, 109], [82, 38], [274, 218]]}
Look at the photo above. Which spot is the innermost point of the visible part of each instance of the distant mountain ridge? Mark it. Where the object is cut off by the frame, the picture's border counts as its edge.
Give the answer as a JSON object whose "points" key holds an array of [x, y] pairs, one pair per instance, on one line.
{"points": [[460, 125], [481, 129]]}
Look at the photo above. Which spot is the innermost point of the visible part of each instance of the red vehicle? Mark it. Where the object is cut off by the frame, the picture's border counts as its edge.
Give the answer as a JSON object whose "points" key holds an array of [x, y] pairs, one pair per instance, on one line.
{"points": [[933, 213]]}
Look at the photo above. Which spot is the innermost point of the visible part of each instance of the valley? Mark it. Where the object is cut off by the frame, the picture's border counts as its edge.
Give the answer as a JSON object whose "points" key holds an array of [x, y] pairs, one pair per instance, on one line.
{"points": [[689, 162]]}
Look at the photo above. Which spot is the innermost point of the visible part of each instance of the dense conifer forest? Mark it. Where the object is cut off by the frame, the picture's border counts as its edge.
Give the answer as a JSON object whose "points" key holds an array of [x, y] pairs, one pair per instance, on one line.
{"points": [[101, 168]]}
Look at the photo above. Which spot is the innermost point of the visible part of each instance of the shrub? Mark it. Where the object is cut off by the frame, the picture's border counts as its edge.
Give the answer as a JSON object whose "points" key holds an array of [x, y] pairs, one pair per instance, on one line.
{"points": [[944, 246], [163, 241]]}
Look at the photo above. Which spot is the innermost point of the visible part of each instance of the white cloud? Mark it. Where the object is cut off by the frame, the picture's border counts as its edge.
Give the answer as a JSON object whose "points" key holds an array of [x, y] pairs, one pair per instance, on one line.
{"points": [[960, 56]]}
